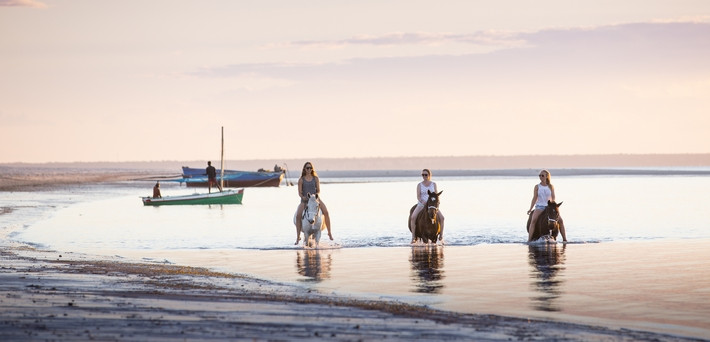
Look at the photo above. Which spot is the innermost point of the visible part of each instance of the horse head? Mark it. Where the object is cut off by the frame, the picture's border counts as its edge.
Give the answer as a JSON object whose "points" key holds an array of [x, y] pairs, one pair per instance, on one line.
{"points": [[312, 207], [433, 205], [552, 213]]}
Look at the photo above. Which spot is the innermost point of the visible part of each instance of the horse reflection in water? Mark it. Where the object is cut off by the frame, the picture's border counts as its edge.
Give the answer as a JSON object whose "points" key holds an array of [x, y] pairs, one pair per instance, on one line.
{"points": [[547, 262], [313, 264], [427, 263]]}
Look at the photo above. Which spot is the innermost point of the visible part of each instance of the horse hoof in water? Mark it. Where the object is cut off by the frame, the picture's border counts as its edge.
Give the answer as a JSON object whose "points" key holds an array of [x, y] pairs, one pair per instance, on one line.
{"points": [[545, 239]]}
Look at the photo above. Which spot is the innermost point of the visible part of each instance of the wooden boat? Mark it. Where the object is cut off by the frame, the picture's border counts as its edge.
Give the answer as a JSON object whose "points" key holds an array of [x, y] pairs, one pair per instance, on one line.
{"points": [[194, 177], [224, 197], [217, 197]]}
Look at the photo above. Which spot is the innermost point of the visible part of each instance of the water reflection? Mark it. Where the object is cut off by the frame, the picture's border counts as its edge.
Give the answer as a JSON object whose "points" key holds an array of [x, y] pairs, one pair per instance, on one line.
{"points": [[547, 262], [314, 264], [427, 264]]}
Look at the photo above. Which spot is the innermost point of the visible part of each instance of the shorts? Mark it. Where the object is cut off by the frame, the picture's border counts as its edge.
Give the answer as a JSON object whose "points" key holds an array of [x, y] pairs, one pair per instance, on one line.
{"points": [[540, 206]]}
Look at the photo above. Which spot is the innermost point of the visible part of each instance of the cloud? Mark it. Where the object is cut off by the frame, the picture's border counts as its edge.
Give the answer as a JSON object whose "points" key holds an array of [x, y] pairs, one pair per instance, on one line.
{"points": [[22, 3], [604, 51], [487, 38]]}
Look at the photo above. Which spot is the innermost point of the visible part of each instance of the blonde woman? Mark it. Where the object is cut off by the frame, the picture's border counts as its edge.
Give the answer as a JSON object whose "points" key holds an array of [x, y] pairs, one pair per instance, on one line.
{"points": [[543, 192], [309, 183], [422, 197]]}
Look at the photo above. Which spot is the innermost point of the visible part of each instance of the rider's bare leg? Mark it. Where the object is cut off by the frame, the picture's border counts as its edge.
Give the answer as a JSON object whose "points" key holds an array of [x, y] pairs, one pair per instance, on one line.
{"points": [[533, 221], [299, 222], [562, 230], [412, 221], [441, 219], [326, 215]]}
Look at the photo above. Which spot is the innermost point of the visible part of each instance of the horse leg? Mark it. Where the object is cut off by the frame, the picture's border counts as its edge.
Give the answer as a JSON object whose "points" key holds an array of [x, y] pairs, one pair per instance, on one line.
{"points": [[318, 226], [306, 232]]}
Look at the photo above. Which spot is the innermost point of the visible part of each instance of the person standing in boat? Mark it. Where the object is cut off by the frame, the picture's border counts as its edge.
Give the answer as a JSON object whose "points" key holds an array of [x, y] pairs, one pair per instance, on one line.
{"points": [[156, 190], [309, 183], [543, 192], [212, 177], [422, 198]]}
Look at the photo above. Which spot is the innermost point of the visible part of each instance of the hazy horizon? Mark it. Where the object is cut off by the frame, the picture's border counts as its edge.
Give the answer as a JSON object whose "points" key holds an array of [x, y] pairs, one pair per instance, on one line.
{"points": [[412, 163], [120, 81]]}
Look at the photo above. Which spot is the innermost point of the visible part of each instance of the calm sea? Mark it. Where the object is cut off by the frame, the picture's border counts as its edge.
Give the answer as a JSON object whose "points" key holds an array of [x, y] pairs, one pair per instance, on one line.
{"points": [[485, 266], [477, 210]]}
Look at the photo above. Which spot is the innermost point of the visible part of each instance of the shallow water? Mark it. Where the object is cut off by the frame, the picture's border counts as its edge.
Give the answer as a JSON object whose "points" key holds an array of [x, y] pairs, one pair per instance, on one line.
{"points": [[637, 258], [478, 210]]}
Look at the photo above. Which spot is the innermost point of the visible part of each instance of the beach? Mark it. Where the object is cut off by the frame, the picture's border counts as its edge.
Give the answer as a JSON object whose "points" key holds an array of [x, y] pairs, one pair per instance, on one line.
{"points": [[46, 296], [50, 294]]}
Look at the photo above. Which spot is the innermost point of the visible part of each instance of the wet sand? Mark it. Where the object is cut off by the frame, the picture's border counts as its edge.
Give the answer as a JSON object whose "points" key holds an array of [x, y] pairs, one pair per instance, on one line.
{"points": [[47, 296], [650, 285]]}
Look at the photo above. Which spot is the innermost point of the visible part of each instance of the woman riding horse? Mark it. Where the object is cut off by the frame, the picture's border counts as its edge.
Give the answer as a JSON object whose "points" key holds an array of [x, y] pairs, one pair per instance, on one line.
{"points": [[543, 192], [309, 184], [422, 198]]}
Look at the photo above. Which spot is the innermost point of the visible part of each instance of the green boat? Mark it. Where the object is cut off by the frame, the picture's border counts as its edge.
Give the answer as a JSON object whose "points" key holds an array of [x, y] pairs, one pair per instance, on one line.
{"points": [[224, 197]]}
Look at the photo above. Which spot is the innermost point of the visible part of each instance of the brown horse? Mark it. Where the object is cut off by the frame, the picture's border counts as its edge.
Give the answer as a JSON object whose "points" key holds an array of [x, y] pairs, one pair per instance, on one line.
{"points": [[427, 226], [547, 223]]}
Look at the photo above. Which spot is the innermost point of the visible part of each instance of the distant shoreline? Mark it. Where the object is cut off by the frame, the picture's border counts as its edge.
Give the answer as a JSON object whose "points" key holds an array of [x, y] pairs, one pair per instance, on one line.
{"points": [[32, 178], [517, 172], [29, 177], [592, 161]]}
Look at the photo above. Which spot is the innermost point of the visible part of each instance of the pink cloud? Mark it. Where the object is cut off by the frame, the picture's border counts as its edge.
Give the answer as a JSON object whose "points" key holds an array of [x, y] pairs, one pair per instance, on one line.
{"points": [[413, 38], [22, 3], [640, 48]]}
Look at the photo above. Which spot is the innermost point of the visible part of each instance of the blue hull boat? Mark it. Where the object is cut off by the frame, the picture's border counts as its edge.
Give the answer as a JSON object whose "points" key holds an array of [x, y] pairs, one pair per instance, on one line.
{"points": [[195, 177]]}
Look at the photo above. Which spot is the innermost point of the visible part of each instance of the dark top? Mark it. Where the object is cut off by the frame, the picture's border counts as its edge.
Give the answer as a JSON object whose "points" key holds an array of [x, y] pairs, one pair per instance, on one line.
{"points": [[211, 172], [309, 188]]}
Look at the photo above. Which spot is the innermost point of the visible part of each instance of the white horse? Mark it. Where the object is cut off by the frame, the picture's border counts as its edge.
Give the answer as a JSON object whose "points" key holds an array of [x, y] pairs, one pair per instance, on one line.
{"points": [[311, 222]]}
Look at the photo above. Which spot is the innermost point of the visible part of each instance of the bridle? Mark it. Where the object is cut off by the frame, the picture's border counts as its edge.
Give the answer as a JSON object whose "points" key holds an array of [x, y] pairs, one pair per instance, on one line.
{"points": [[305, 211], [549, 219], [435, 207]]}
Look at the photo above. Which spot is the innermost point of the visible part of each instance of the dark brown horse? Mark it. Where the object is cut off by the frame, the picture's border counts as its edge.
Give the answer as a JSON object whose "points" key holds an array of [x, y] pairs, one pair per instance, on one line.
{"points": [[427, 226], [547, 223]]}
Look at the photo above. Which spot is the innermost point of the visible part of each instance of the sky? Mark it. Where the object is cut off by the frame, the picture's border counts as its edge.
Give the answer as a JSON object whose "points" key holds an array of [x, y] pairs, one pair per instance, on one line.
{"points": [[93, 80]]}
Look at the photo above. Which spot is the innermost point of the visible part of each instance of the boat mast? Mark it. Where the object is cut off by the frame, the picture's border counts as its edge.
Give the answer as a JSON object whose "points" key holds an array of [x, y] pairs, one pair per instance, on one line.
{"points": [[221, 174]]}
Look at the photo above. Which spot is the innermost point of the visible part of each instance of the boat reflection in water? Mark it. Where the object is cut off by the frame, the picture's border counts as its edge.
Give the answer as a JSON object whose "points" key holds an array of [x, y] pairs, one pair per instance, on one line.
{"points": [[427, 264], [313, 264], [546, 263]]}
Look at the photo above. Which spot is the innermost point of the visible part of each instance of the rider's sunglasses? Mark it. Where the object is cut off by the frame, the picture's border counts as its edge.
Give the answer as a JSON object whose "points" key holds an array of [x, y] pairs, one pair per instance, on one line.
{"points": [[309, 168], [425, 175]]}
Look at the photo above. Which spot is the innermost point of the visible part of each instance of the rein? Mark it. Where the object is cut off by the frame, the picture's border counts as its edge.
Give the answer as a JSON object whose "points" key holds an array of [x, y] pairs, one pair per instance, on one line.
{"points": [[305, 212], [436, 210]]}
